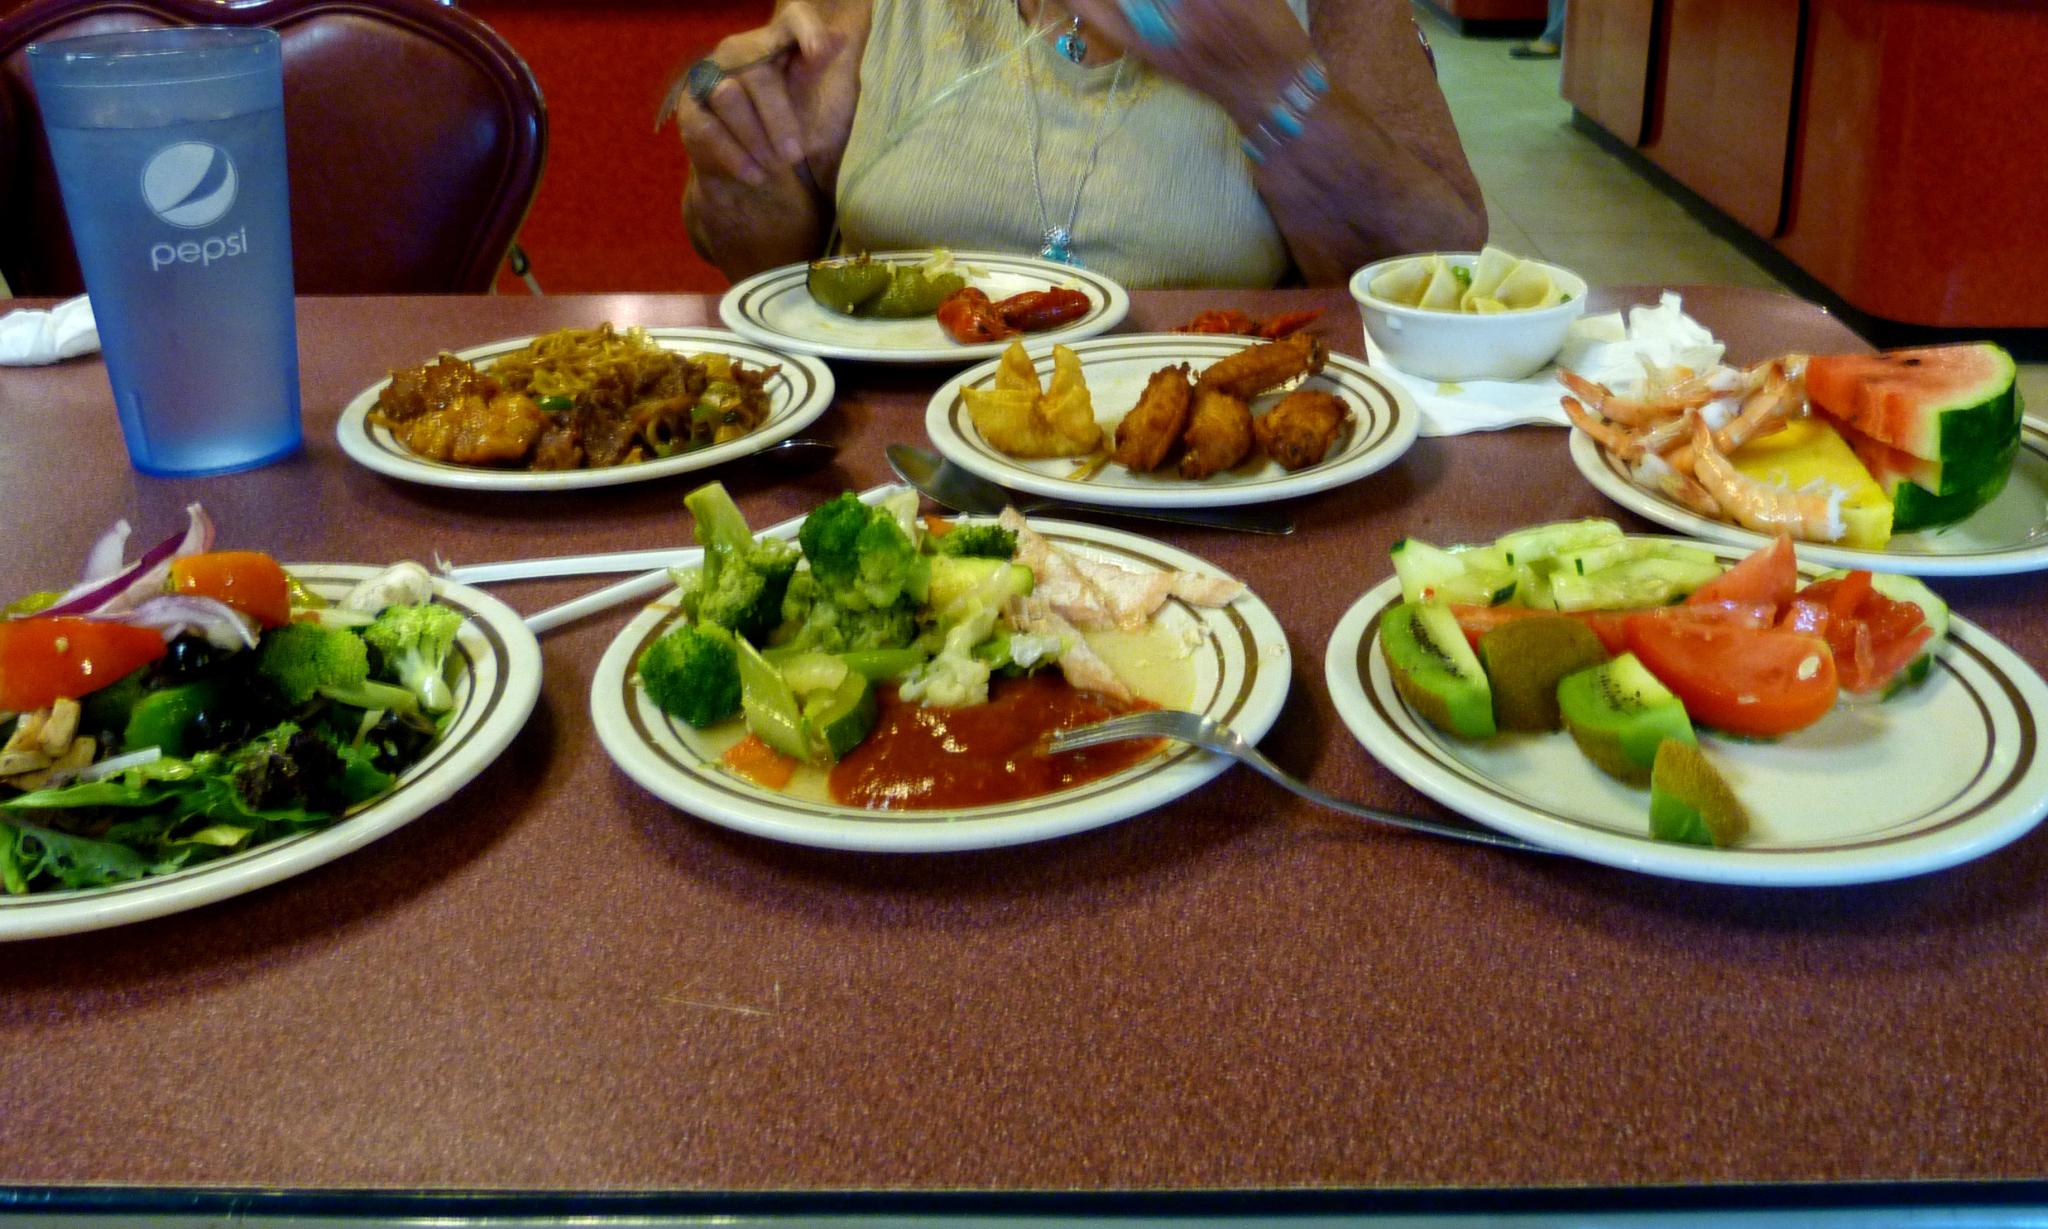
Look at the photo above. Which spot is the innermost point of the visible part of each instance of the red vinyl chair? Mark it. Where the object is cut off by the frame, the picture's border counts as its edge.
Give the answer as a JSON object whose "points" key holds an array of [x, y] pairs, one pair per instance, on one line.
{"points": [[415, 138]]}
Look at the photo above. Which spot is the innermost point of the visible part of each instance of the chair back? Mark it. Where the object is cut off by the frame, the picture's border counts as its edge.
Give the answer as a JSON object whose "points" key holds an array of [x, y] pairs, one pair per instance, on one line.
{"points": [[415, 138]]}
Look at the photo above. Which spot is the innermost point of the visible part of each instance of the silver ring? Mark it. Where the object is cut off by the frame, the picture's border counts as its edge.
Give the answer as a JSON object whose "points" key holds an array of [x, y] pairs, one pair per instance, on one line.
{"points": [[702, 78]]}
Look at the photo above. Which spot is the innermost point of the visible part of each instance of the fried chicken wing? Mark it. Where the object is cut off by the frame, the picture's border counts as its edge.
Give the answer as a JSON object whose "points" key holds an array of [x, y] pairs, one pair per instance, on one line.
{"points": [[1255, 369], [1147, 435], [1300, 430], [1219, 434]]}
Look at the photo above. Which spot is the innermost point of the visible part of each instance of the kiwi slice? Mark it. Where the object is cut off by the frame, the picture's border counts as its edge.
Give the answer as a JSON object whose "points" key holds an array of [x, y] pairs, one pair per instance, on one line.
{"points": [[1435, 670], [1618, 713], [1690, 801], [1526, 659]]}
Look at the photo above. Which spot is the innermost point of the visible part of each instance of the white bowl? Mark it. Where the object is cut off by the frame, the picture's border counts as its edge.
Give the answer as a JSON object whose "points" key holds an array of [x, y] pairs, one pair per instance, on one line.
{"points": [[1440, 345]]}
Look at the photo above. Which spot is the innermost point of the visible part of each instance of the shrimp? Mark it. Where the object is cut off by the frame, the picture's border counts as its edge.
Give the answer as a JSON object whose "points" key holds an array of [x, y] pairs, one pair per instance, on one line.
{"points": [[1606, 434], [1687, 394], [1656, 473], [1810, 513], [1774, 401]]}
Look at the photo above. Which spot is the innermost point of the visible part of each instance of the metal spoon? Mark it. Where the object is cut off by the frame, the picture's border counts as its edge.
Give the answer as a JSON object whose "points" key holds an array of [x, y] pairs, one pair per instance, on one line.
{"points": [[798, 452], [954, 487]]}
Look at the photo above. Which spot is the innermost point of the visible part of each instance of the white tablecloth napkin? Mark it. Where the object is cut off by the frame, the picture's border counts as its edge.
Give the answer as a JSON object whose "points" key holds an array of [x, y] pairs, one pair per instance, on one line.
{"points": [[31, 338], [1601, 348]]}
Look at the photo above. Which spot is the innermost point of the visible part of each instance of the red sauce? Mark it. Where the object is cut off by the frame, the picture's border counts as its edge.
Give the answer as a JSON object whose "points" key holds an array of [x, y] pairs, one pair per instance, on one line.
{"points": [[921, 758]]}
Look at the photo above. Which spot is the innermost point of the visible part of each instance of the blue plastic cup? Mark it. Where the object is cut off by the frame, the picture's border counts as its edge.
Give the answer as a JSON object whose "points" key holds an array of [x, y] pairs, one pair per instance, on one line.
{"points": [[169, 146]]}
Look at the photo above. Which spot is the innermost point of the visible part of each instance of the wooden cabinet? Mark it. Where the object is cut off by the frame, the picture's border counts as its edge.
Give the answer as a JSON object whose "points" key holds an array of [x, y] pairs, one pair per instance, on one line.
{"points": [[1607, 48], [1890, 148], [1722, 121]]}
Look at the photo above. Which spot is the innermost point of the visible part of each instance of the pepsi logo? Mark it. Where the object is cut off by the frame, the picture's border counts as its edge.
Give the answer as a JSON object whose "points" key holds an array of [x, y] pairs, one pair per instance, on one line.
{"points": [[189, 184]]}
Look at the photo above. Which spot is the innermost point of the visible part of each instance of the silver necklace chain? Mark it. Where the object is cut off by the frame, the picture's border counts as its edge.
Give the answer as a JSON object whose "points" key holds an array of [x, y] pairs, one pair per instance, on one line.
{"points": [[1058, 240]]}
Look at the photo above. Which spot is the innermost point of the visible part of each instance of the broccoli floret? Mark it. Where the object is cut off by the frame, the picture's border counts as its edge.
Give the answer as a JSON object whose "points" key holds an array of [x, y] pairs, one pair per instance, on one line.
{"points": [[985, 541], [830, 627], [830, 538], [304, 660], [862, 555], [865, 581], [414, 642], [741, 583], [693, 673]]}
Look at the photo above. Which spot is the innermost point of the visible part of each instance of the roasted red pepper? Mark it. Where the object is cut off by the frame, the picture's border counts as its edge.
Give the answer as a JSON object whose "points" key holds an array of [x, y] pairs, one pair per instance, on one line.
{"points": [[1236, 323], [1035, 310], [969, 317]]}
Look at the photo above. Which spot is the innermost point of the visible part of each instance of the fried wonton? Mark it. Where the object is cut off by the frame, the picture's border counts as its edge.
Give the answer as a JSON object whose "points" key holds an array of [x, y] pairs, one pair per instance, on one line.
{"points": [[1017, 419]]}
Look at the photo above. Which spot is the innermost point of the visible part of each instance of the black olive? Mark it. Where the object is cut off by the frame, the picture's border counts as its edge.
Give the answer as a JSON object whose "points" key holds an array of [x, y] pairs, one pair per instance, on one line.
{"points": [[186, 658]]}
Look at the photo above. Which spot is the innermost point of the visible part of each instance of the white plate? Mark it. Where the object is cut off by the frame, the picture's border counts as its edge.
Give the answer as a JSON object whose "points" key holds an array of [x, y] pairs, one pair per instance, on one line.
{"points": [[499, 669], [1945, 773], [776, 309], [1242, 670], [1384, 423], [797, 394], [2010, 534]]}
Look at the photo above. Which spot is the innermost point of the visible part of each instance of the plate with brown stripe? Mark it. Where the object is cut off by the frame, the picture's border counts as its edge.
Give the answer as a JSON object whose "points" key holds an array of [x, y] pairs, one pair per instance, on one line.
{"points": [[496, 680], [1382, 426], [1230, 662], [1946, 771]]}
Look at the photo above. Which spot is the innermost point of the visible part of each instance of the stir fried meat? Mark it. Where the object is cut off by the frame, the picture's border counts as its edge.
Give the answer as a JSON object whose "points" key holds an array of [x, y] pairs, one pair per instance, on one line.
{"points": [[572, 399]]}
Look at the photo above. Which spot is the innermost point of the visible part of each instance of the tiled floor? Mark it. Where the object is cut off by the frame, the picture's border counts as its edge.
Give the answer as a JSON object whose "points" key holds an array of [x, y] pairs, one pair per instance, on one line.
{"points": [[1555, 193]]}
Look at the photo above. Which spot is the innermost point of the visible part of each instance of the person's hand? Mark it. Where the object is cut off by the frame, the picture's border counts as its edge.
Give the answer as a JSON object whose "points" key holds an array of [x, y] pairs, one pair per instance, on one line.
{"points": [[782, 116], [1240, 53]]}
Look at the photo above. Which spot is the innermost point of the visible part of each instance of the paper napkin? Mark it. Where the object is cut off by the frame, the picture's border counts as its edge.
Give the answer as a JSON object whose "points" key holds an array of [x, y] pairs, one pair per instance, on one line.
{"points": [[1601, 348], [31, 338]]}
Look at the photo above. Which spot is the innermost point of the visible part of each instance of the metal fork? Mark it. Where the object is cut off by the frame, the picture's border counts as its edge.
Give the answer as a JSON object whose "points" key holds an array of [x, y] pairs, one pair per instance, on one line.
{"points": [[1201, 731]]}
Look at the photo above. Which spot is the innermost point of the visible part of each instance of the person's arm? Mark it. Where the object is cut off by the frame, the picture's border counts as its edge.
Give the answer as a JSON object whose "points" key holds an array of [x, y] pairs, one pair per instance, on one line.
{"points": [[764, 148], [1377, 169]]}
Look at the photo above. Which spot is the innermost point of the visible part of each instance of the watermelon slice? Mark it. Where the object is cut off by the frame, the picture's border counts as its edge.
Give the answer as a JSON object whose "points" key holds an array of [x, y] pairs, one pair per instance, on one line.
{"points": [[1952, 404], [1890, 466], [1915, 507]]}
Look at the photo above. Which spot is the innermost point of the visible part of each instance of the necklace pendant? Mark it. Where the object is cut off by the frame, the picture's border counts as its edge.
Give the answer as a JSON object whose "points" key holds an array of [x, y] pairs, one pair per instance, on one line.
{"points": [[1059, 245], [1070, 43]]}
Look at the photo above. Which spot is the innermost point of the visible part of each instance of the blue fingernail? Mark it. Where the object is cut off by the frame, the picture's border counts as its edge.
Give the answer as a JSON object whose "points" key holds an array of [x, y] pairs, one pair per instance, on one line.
{"points": [[1149, 22]]}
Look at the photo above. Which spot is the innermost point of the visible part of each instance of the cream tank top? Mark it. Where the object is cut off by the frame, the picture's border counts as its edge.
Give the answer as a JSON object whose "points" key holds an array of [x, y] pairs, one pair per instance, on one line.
{"points": [[941, 154]]}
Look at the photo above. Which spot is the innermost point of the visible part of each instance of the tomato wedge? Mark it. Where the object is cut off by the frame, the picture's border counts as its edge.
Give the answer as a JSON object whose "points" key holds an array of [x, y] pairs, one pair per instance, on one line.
{"points": [[44, 660], [1873, 637], [246, 580], [1769, 575], [1611, 625], [1756, 681]]}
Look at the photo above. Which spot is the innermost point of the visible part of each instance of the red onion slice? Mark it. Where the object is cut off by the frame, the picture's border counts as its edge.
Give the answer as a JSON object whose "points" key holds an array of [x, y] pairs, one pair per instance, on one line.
{"points": [[141, 580], [177, 615], [107, 553]]}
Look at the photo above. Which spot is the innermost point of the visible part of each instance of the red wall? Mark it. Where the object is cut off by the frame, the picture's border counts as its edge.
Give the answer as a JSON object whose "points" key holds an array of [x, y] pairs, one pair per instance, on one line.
{"points": [[608, 216]]}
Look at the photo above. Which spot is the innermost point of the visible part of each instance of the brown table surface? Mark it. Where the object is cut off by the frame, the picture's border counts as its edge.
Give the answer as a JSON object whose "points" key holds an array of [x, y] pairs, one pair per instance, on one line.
{"points": [[555, 982]]}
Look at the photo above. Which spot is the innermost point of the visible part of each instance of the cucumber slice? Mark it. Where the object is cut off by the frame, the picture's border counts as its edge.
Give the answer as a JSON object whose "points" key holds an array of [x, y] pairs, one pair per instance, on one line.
{"points": [[1598, 558], [1473, 576], [809, 672], [1650, 581], [769, 704], [1532, 587], [1540, 542], [839, 719]]}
